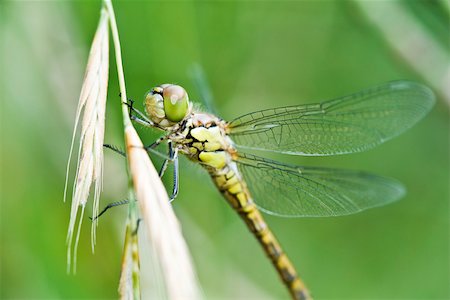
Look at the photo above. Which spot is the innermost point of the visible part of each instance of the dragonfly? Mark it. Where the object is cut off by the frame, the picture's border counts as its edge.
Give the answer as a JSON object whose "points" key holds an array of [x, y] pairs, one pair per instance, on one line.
{"points": [[253, 184]]}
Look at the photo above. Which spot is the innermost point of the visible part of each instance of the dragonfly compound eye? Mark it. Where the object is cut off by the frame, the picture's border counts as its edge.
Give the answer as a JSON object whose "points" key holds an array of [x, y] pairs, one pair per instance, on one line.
{"points": [[176, 103], [167, 104], [154, 105]]}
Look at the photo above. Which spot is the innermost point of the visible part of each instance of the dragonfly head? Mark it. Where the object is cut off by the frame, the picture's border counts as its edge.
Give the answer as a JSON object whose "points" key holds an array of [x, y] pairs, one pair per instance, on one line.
{"points": [[167, 104]]}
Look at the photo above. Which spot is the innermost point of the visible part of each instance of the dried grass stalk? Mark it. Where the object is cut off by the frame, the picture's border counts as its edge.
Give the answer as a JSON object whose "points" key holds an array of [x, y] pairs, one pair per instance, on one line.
{"points": [[161, 224], [159, 219], [91, 106]]}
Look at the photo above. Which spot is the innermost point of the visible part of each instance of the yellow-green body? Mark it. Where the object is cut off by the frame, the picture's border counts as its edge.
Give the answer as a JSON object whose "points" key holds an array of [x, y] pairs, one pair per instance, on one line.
{"points": [[349, 124], [203, 138]]}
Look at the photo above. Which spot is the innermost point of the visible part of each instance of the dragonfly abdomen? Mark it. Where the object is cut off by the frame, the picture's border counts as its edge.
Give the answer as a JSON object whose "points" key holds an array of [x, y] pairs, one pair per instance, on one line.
{"points": [[234, 189], [209, 145]]}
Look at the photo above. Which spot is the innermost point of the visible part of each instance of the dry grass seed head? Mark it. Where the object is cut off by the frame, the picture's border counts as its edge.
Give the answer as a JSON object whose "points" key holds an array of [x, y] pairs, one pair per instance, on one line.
{"points": [[92, 103]]}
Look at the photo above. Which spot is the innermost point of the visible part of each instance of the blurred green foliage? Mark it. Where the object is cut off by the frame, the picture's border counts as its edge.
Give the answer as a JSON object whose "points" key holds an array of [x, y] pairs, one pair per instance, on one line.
{"points": [[255, 55]]}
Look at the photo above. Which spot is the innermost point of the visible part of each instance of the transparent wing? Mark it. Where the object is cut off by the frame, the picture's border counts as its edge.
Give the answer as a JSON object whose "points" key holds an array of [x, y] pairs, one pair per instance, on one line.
{"points": [[294, 191], [200, 82], [344, 125]]}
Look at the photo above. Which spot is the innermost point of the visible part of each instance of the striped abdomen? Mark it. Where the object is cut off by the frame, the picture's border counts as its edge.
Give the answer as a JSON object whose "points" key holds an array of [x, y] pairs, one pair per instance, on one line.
{"points": [[229, 182], [208, 144]]}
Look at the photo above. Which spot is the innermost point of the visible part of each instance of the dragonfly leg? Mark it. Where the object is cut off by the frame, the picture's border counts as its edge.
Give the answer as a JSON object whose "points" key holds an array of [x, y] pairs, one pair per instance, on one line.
{"points": [[163, 168], [168, 159], [113, 204], [155, 143], [173, 157], [141, 121], [115, 149], [129, 103], [140, 117], [151, 148], [175, 176]]}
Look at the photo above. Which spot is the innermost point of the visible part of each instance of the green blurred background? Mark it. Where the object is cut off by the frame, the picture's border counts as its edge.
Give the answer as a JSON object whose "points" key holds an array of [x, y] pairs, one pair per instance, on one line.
{"points": [[254, 55]]}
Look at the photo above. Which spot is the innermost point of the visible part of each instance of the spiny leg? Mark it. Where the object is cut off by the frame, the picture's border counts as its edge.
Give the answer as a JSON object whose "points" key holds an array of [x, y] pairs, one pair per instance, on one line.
{"points": [[113, 204], [166, 161], [149, 149], [118, 203], [141, 121], [173, 152], [115, 149], [175, 179], [173, 156], [141, 118], [130, 104]]}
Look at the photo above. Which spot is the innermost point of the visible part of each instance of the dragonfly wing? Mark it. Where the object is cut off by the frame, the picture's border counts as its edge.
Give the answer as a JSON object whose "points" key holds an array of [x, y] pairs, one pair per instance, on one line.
{"points": [[344, 125], [294, 191], [200, 81]]}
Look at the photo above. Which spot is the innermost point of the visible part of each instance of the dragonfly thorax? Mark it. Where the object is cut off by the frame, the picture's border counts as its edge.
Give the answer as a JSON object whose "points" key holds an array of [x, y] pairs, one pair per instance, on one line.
{"points": [[202, 133], [167, 105]]}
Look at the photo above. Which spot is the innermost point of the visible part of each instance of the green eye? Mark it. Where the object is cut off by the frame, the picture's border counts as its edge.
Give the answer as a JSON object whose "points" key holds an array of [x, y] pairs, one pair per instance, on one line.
{"points": [[176, 103]]}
